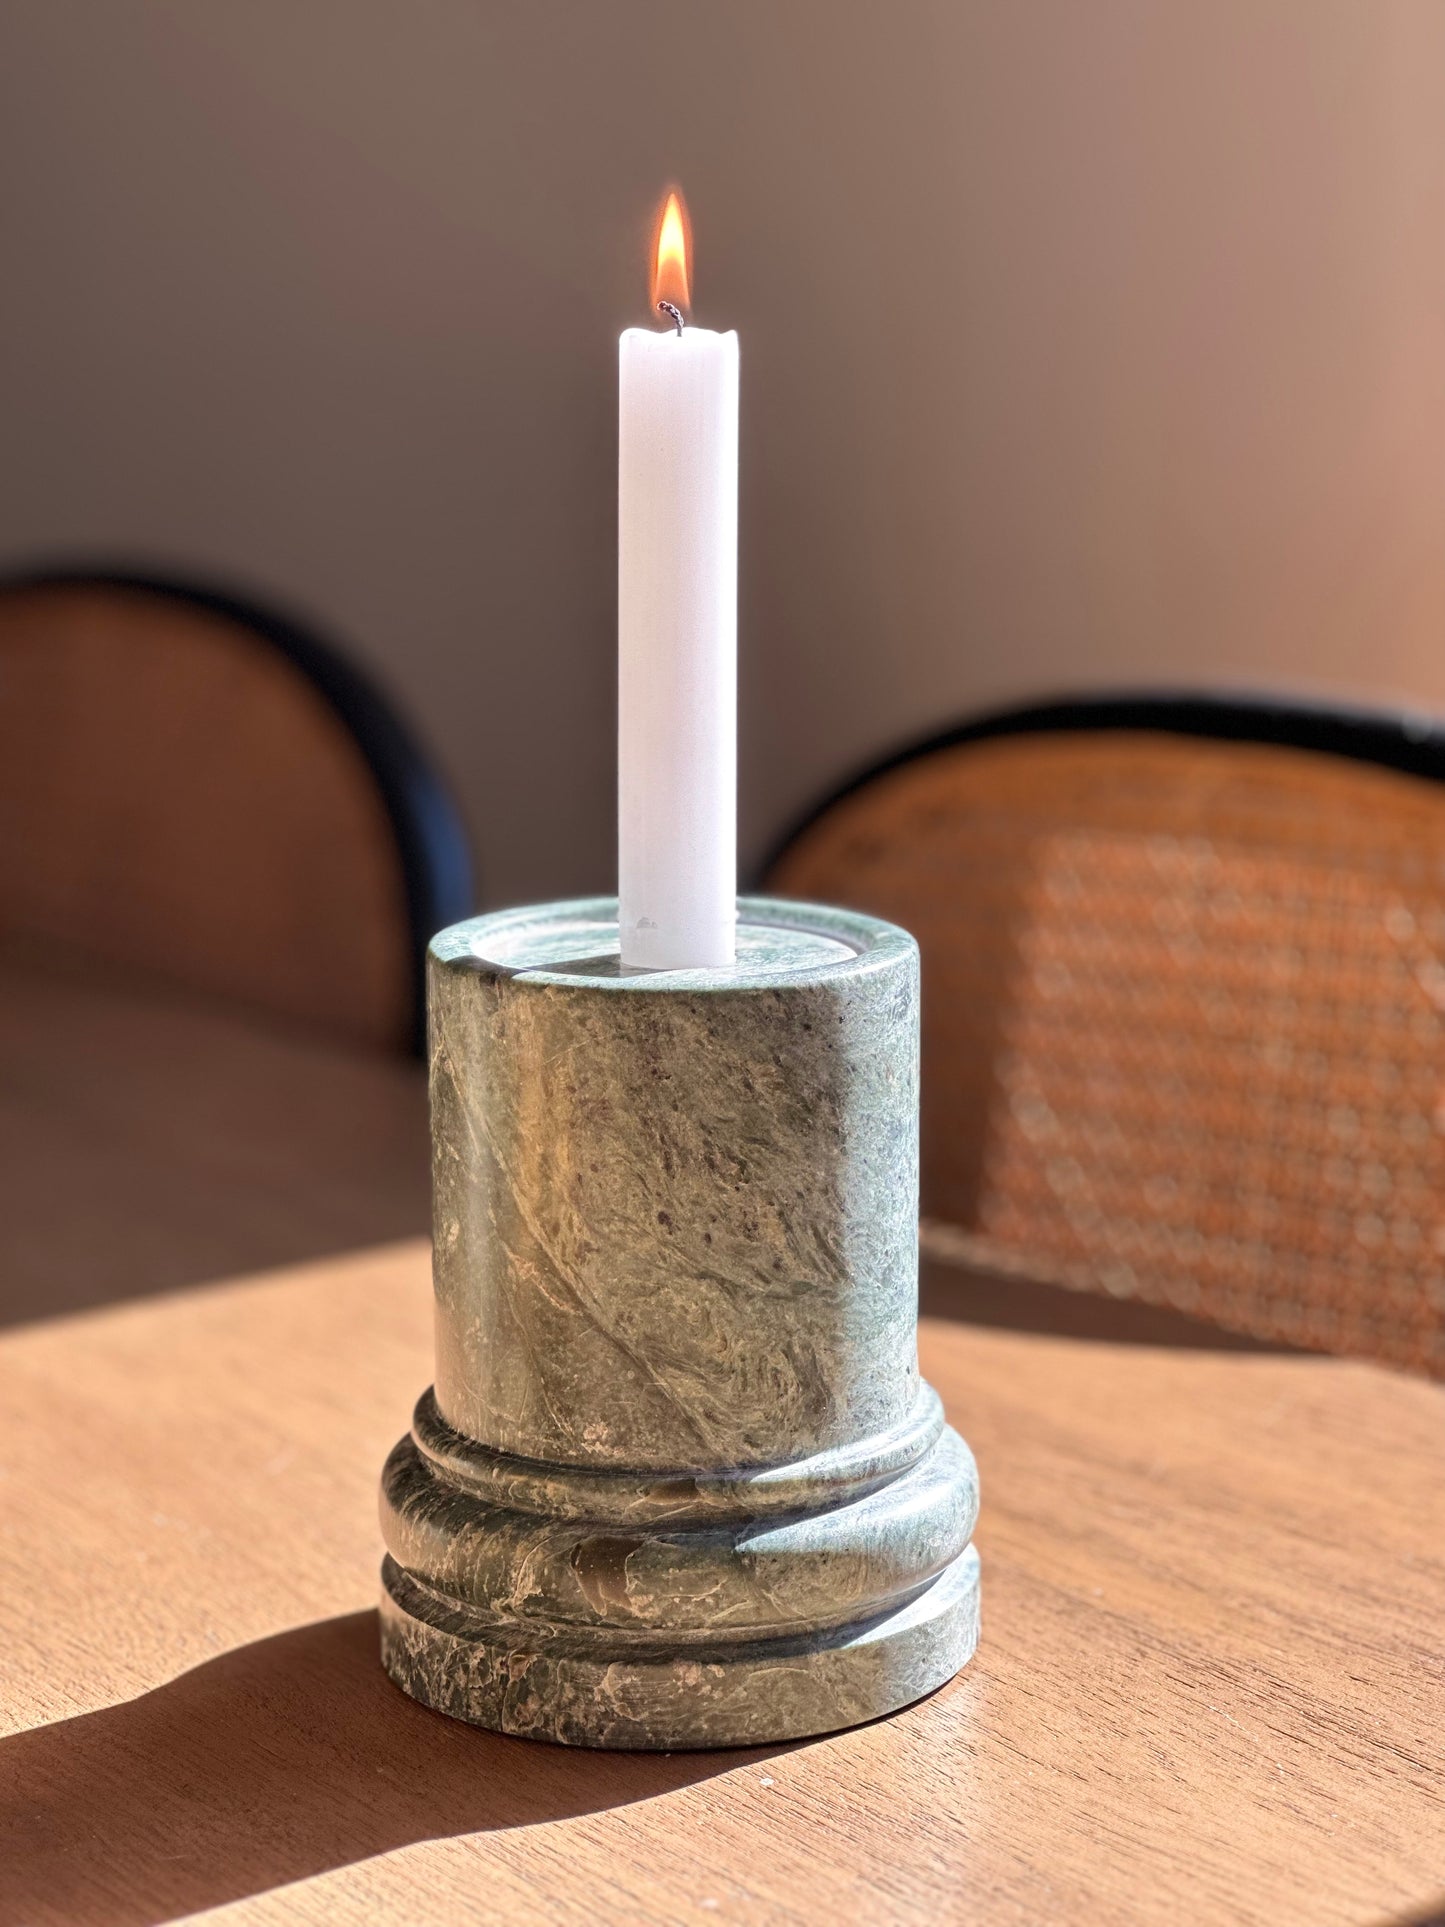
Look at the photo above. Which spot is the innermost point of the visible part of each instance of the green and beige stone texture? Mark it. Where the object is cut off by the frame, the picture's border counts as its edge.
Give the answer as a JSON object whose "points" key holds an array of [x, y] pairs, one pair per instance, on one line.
{"points": [[678, 1483]]}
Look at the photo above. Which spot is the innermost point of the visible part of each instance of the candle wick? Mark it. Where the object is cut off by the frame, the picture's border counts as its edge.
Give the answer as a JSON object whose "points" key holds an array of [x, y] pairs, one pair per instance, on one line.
{"points": [[667, 308]]}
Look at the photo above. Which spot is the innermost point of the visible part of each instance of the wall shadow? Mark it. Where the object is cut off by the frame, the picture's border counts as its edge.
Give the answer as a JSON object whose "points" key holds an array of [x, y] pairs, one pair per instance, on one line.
{"points": [[274, 1762]]}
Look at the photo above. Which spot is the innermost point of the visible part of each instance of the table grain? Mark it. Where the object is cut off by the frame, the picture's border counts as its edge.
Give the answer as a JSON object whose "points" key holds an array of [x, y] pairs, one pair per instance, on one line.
{"points": [[1209, 1688]]}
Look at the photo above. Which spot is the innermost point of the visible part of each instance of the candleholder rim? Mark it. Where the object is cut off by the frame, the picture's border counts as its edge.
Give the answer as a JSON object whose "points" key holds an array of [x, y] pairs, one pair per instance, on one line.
{"points": [[574, 944]]}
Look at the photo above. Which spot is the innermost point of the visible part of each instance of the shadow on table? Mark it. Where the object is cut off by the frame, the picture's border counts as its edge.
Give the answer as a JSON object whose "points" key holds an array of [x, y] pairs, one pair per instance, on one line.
{"points": [[951, 1290], [150, 1142], [280, 1760]]}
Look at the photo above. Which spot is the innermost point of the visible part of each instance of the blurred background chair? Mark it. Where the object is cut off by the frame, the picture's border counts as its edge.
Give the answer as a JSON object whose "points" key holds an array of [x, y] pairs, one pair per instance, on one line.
{"points": [[1184, 1005], [197, 792]]}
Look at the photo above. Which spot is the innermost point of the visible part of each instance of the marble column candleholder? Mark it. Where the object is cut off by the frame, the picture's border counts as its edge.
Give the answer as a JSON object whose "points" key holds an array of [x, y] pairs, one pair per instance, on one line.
{"points": [[678, 1483]]}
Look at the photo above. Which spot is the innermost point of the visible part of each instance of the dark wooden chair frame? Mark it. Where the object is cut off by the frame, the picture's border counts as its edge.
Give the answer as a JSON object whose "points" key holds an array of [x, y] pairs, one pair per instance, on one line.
{"points": [[431, 843], [1412, 742]]}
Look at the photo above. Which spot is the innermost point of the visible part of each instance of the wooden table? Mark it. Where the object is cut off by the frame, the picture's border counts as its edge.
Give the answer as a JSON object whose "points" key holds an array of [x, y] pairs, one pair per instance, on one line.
{"points": [[1209, 1690]]}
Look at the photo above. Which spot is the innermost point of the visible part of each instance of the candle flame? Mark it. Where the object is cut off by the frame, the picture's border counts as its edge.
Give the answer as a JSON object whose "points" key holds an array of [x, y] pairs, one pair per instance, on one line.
{"points": [[671, 259]]}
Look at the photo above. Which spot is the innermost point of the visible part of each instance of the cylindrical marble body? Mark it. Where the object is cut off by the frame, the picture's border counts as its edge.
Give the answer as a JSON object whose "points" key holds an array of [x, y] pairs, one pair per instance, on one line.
{"points": [[679, 1482], [675, 1214]]}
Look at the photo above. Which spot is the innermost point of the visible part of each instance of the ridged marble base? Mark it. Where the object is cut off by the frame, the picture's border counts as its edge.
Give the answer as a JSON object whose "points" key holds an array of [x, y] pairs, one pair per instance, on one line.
{"points": [[754, 1693], [617, 1610]]}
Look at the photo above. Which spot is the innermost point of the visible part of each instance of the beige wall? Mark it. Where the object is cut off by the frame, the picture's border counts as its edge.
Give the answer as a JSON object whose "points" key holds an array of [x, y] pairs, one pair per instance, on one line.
{"points": [[1083, 342]]}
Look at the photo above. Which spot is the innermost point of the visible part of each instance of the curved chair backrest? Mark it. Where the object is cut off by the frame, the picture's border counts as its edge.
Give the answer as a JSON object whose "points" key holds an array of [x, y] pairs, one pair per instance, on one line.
{"points": [[1184, 1004], [201, 793]]}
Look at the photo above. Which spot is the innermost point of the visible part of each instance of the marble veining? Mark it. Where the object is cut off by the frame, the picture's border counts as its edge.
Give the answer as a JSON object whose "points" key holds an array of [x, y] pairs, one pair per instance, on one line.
{"points": [[677, 1426]]}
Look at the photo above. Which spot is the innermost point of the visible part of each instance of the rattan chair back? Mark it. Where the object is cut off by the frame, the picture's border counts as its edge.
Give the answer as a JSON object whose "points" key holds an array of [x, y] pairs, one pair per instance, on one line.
{"points": [[198, 793], [1184, 1018]]}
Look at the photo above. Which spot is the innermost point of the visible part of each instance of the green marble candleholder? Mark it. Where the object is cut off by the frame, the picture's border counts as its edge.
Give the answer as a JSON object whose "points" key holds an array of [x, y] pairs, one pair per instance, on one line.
{"points": [[679, 1483]]}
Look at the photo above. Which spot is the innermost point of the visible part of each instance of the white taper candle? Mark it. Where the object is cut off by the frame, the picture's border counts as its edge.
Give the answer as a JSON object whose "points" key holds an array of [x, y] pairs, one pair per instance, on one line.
{"points": [[677, 648]]}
